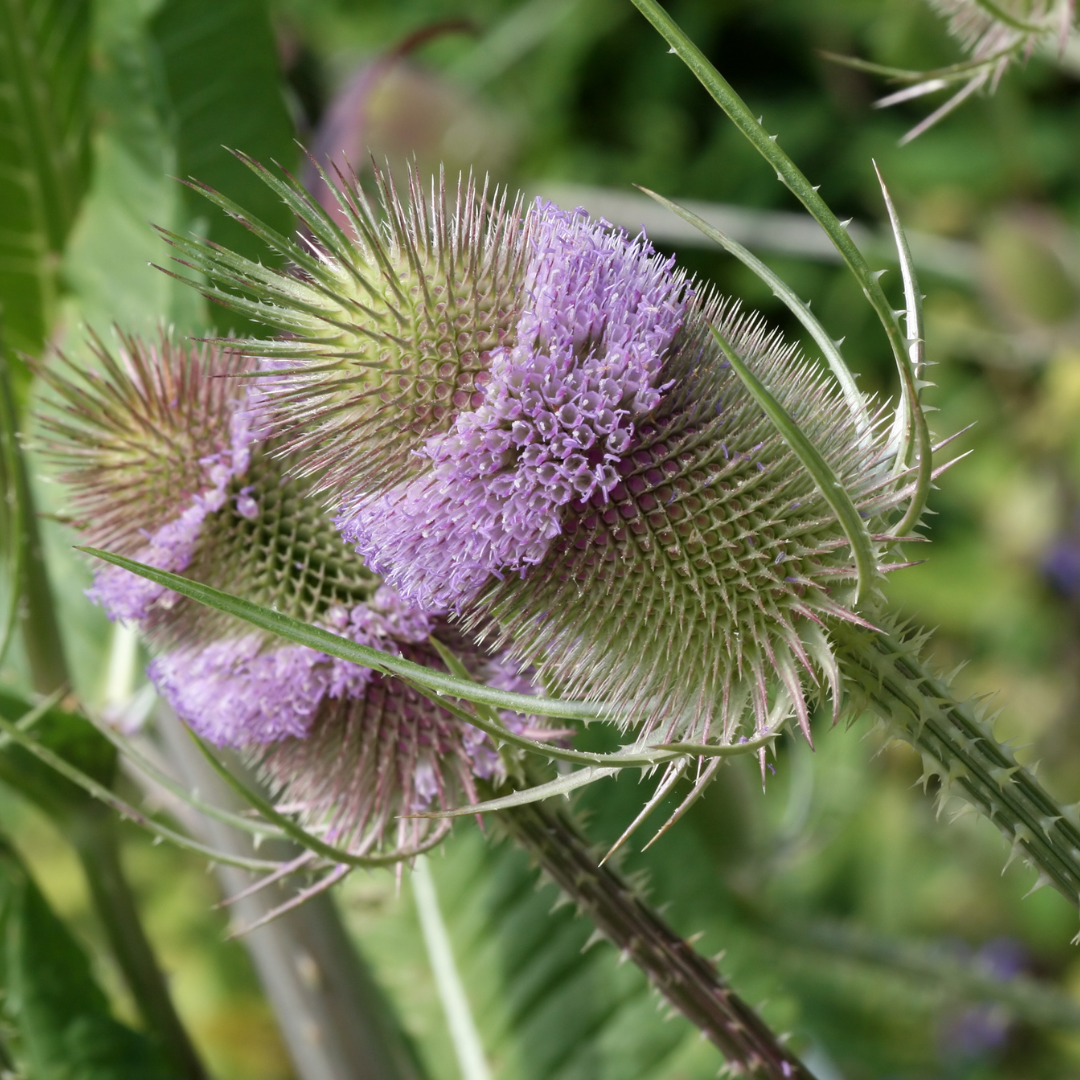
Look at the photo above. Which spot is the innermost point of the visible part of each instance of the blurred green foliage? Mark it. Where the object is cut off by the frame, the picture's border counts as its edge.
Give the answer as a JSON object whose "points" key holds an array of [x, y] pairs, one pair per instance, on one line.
{"points": [[861, 916]]}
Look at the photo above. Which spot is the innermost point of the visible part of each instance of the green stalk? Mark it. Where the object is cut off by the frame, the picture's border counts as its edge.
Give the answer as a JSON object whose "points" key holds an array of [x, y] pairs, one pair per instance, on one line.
{"points": [[90, 829], [685, 978], [886, 674], [93, 834], [791, 176], [36, 612]]}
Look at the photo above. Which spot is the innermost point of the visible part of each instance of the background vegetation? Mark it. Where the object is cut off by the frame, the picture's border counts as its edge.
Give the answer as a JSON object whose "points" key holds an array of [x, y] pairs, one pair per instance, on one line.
{"points": [[877, 931]]}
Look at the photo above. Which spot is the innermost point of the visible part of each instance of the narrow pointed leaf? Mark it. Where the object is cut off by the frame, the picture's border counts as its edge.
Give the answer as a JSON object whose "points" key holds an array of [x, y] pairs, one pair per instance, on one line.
{"points": [[332, 854], [112, 800], [562, 785], [316, 638], [831, 489]]}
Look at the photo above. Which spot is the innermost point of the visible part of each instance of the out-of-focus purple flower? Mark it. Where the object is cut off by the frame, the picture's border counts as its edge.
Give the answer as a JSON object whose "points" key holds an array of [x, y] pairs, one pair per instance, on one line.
{"points": [[558, 413], [981, 1030], [1061, 565]]}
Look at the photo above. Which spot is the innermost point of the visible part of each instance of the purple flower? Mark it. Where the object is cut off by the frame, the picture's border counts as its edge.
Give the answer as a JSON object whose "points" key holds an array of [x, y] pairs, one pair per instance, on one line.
{"points": [[249, 690], [170, 547], [558, 413]]}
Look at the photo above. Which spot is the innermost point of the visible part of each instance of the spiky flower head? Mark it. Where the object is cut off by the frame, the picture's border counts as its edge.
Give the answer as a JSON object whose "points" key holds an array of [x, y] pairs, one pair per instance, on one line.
{"points": [[696, 593], [612, 503], [996, 33], [557, 417], [349, 749]]}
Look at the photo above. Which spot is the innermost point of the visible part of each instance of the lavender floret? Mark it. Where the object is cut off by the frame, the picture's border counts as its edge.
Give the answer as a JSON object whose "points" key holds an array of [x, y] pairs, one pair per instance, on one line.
{"points": [[246, 691], [170, 547], [557, 417]]}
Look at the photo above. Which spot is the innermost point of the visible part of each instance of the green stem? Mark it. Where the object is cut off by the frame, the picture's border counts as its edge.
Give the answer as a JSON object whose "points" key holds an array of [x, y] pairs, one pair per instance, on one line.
{"points": [[959, 748], [93, 834], [88, 826], [787, 172], [688, 981], [37, 614]]}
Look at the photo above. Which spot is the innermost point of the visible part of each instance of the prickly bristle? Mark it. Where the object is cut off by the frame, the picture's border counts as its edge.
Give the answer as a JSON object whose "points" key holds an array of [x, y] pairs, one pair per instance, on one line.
{"points": [[697, 593], [389, 330], [132, 440]]}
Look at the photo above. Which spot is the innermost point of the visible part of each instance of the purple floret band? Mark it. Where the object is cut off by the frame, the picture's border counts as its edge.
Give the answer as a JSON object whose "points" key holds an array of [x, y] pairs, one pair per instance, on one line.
{"points": [[599, 312], [128, 597]]}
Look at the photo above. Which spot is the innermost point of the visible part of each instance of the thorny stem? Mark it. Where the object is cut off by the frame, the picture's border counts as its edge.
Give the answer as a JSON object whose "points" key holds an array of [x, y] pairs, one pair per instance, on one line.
{"points": [[688, 981], [959, 747]]}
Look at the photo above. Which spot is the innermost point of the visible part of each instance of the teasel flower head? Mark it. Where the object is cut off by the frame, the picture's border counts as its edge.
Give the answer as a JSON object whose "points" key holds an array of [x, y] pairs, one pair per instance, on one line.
{"points": [[557, 417], [994, 35], [613, 504], [695, 594], [496, 377], [169, 433]]}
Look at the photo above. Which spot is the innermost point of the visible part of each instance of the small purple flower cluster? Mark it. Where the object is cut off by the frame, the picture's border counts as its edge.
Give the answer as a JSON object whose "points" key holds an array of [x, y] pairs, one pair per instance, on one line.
{"points": [[170, 547], [243, 691], [558, 415]]}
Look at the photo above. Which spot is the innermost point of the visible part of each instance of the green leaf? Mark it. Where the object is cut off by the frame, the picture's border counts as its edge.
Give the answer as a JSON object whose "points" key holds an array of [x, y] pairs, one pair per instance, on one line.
{"points": [[108, 256], [221, 70], [909, 410], [44, 153], [834, 493], [315, 637], [63, 1029], [11, 509], [70, 737], [65, 772], [548, 1005], [28, 588]]}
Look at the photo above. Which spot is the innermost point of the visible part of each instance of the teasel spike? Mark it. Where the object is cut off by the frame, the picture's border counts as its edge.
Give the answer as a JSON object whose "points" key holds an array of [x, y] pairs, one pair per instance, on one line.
{"points": [[672, 775], [445, 368], [130, 437]]}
